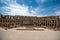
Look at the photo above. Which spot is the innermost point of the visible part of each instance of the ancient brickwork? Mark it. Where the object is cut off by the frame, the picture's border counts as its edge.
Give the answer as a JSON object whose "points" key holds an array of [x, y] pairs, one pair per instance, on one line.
{"points": [[8, 21]]}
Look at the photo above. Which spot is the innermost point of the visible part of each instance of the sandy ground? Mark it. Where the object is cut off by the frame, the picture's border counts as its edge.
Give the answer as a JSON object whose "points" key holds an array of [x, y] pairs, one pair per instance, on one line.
{"points": [[12, 34]]}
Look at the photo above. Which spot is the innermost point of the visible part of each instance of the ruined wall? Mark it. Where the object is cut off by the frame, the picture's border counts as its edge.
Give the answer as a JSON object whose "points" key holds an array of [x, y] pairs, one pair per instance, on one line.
{"points": [[20, 21]]}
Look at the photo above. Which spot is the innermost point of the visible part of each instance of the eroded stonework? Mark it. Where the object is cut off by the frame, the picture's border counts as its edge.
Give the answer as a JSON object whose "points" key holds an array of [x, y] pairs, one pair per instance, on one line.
{"points": [[8, 21]]}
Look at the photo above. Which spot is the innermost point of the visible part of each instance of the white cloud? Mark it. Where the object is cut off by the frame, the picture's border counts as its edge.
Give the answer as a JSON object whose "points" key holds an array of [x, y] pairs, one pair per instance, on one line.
{"points": [[57, 13], [16, 9], [40, 1]]}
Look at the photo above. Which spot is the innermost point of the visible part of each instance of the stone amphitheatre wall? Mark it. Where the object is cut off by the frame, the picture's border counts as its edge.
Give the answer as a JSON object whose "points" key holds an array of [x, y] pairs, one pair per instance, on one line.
{"points": [[7, 21]]}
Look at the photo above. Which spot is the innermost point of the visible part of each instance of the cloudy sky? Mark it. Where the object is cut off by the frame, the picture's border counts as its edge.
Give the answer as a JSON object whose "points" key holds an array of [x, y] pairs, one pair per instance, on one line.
{"points": [[30, 7]]}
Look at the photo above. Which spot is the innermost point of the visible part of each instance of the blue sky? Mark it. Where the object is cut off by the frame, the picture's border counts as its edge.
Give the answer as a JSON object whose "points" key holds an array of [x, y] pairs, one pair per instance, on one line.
{"points": [[30, 7]]}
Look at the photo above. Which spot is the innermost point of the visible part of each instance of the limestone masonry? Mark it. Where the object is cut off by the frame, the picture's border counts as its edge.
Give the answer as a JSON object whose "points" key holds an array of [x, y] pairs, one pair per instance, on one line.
{"points": [[8, 21]]}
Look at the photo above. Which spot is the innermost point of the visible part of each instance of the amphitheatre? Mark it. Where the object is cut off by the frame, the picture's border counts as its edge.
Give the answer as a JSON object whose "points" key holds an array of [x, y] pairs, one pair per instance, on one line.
{"points": [[30, 22]]}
